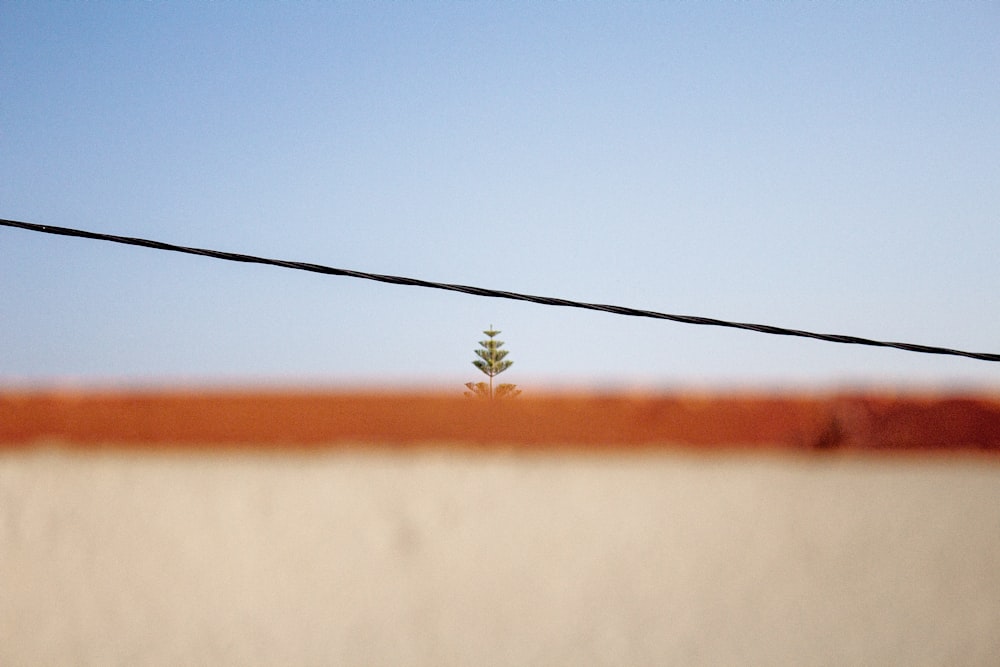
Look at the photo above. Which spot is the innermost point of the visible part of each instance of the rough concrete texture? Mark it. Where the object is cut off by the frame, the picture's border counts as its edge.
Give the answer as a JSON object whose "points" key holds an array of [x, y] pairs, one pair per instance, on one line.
{"points": [[433, 557]]}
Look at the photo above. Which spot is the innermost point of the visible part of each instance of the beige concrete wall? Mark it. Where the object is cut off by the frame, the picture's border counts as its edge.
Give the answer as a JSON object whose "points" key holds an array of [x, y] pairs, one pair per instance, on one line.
{"points": [[437, 558]]}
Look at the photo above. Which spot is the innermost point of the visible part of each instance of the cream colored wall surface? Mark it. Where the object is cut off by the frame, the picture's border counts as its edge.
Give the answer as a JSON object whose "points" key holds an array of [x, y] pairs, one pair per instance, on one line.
{"points": [[437, 557]]}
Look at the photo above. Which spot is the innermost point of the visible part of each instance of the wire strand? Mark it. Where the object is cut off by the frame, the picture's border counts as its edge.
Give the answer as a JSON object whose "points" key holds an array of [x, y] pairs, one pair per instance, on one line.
{"points": [[499, 294]]}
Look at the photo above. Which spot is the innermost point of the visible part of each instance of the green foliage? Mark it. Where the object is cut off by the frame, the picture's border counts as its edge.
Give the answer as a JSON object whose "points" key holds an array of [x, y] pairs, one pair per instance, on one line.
{"points": [[492, 361], [477, 390], [506, 391]]}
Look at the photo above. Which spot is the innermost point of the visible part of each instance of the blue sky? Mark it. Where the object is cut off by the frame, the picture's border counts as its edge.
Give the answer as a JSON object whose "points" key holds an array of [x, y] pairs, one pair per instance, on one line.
{"points": [[822, 166]]}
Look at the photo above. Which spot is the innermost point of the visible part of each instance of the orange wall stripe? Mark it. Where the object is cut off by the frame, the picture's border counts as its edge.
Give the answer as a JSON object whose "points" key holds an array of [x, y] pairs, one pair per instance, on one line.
{"points": [[173, 419]]}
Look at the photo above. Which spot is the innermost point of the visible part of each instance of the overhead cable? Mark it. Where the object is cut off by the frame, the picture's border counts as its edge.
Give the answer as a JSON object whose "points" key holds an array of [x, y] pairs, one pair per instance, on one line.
{"points": [[499, 294]]}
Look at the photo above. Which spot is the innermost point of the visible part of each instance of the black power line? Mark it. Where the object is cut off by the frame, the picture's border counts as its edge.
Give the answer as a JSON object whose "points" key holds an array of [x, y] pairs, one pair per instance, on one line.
{"points": [[481, 291]]}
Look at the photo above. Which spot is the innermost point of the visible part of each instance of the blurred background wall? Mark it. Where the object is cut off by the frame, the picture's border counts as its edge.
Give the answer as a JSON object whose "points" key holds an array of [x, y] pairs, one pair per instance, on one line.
{"points": [[449, 556]]}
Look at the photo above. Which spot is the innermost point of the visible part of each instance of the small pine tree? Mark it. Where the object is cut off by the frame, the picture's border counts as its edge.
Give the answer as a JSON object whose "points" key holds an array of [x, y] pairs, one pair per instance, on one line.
{"points": [[491, 362]]}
